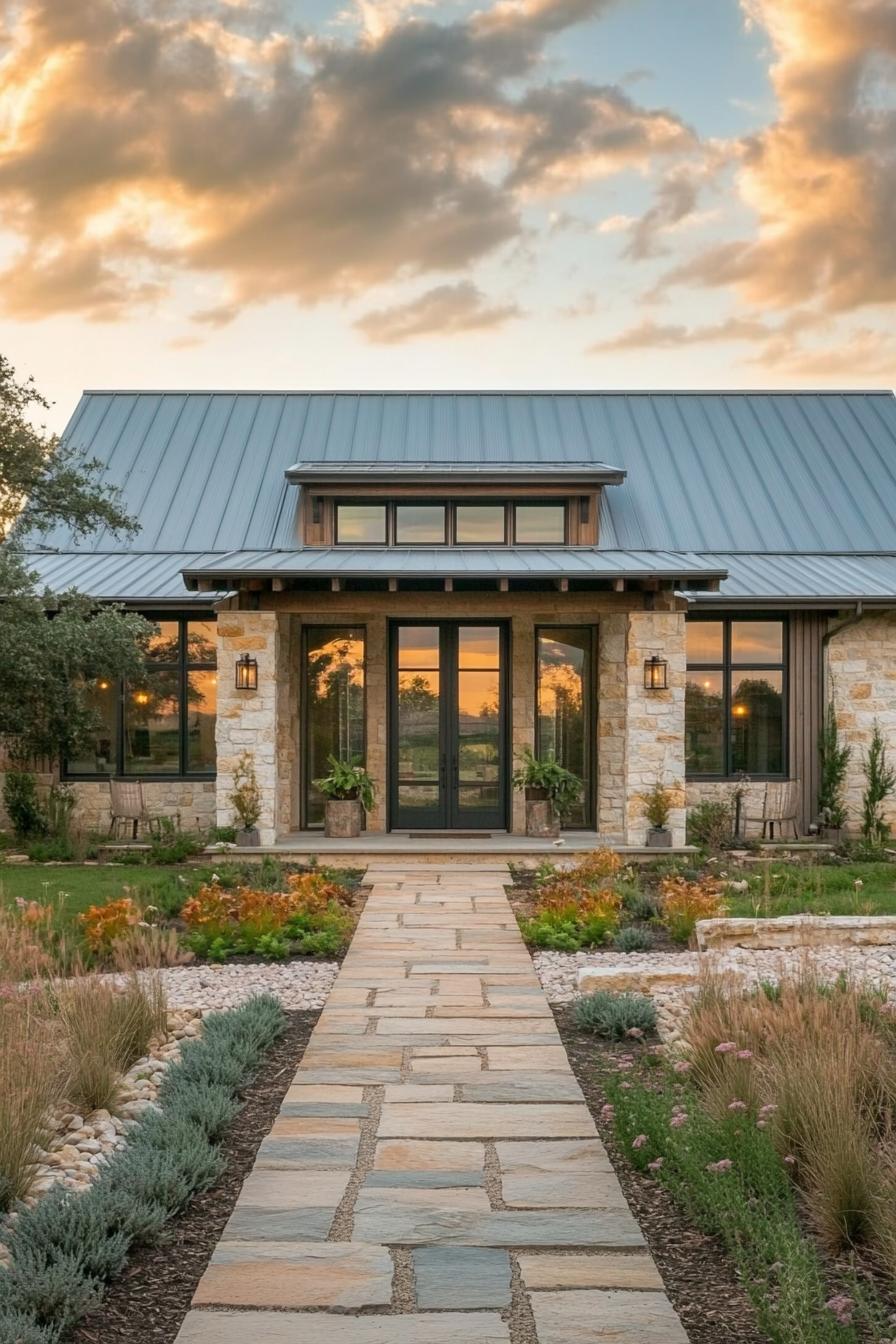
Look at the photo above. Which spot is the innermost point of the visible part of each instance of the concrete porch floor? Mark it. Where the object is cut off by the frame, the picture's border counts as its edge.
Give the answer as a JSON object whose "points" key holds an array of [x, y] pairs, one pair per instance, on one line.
{"points": [[449, 848]]}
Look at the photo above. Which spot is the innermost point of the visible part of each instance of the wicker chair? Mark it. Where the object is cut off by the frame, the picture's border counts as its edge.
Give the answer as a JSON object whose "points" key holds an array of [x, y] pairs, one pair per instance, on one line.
{"points": [[780, 803], [129, 811]]}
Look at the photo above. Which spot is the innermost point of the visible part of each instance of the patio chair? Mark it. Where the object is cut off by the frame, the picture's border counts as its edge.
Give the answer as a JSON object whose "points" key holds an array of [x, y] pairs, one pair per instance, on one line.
{"points": [[128, 808], [780, 803]]}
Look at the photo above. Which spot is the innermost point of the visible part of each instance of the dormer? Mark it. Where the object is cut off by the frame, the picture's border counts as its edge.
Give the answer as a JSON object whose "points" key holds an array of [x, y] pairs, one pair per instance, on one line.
{"points": [[450, 504]]}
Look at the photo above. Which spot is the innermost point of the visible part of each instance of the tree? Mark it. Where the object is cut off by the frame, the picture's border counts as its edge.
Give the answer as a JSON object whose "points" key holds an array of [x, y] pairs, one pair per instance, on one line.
{"points": [[53, 647], [834, 761], [880, 784]]}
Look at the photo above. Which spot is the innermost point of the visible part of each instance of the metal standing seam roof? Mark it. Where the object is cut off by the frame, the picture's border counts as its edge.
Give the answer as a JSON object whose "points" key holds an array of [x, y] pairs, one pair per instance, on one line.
{"points": [[596, 472], [809, 579], [458, 561], [753, 475], [153, 579]]}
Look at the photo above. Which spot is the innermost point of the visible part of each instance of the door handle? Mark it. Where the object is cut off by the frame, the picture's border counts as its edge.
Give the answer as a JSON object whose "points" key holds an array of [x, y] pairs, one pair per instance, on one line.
{"points": [[455, 771]]}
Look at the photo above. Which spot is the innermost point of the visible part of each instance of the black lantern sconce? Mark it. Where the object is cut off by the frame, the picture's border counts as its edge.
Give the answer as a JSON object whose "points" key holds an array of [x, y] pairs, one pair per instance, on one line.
{"points": [[656, 673], [246, 673]]}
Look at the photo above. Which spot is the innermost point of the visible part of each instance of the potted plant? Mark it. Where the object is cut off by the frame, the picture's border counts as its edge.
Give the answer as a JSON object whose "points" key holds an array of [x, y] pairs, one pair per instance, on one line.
{"points": [[550, 791], [833, 762], [349, 791], [245, 799], [657, 806]]}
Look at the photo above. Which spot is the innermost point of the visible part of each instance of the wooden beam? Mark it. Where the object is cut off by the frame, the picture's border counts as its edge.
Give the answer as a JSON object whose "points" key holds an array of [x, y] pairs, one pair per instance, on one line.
{"points": [[255, 585], [278, 585], [503, 585], [449, 585], [619, 585], [651, 585], [562, 585], [393, 585], [205, 585], [713, 585], [335, 585]]}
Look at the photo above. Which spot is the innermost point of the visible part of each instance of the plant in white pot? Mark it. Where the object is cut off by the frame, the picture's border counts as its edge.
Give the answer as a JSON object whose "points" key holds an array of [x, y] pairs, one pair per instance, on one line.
{"points": [[245, 798], [350, 792], [550, 790], [657, 807]]}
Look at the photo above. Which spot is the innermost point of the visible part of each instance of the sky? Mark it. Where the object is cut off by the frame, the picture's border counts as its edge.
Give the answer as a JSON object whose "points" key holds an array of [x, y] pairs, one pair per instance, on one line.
{"points": [[439, 193]]}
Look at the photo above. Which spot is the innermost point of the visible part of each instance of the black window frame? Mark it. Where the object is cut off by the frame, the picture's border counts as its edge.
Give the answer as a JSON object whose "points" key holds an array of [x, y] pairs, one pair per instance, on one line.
{"points": [[384, 504], [590, 711], [184, 667], [308, 631], [728, 669], [540, 504]]}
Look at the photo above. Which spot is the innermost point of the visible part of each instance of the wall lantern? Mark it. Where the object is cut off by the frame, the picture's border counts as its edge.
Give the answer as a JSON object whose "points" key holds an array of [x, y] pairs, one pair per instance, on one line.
{"points": [[656, 673], [246, 673]]}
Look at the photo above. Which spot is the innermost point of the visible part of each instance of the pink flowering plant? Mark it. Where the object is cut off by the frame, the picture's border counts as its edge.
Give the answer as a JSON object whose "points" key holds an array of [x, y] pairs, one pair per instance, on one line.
{"points": [[708, 1127]]}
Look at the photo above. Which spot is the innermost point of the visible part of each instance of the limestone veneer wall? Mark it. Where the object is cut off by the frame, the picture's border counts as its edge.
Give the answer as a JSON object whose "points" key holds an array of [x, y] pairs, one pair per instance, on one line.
{"points": [[639, 735], [861, 675], [194, 800]]}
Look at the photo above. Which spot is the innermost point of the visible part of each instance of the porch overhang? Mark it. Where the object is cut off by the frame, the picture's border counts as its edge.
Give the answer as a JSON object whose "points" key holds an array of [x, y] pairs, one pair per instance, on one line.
{"points": [[501, 566]]}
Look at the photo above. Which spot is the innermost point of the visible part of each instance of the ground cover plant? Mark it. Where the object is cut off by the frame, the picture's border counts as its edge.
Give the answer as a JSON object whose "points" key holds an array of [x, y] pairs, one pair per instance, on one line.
{"points": [[774, 1133], [64, 1250], [575, 907], [120, 916]]}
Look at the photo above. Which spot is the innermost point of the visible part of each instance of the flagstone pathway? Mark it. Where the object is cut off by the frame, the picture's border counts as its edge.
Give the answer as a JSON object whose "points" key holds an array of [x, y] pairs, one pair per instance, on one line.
{"points": [[434, 1176]]}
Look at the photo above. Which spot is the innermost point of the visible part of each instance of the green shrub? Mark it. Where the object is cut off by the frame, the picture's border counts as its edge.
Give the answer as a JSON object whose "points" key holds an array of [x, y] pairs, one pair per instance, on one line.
{"points": [[53, 1290], [222, 835], [18, 1327], [54, 849], [91, 1232], [711, 826], [174, 848], [207, 1105], [631, 939], [614, 1015], [23, 807]]}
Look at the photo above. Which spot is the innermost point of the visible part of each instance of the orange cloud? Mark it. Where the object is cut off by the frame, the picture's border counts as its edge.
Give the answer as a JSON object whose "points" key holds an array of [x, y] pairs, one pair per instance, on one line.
{"points": [[439, 312], [140, 142]]}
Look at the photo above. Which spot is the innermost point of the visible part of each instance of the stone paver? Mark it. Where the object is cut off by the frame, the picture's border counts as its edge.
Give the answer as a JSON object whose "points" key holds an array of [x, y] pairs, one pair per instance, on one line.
{"points": [[433, 1164]]}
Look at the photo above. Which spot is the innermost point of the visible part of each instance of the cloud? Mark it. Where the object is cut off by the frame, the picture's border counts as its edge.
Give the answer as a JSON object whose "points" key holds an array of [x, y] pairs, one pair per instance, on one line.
{"points": [[147, 141], [650, 335], [822, 178], [442, 311]]}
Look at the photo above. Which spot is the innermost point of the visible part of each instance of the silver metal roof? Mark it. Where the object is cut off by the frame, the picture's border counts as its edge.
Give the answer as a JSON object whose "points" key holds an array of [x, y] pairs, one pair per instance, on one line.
{"points": [[818, 580], [458, 561], [753, 474], [353, 472], [155, 579]]}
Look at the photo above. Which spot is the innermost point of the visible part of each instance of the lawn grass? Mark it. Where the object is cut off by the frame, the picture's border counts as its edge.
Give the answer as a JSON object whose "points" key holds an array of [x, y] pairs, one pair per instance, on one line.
{"points": [[83, 884], [830, 889]]}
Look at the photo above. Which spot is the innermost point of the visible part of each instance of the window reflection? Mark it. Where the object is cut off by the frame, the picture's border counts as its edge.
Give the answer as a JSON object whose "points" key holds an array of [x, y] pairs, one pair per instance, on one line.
{"points": [[734, 706], [363, 524], [545, 523], [757, 641], [564, 706], [479, 524], [705, 641], [334, 679], [757, 720], [152, 724], [705, 722], [418, 523], [102, 757], [202, 700]]}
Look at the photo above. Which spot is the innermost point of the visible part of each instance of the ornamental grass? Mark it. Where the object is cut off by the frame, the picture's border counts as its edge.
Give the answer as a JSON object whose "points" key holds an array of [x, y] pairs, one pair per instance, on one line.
{"points": [[104, 1030], [31, 1082]]}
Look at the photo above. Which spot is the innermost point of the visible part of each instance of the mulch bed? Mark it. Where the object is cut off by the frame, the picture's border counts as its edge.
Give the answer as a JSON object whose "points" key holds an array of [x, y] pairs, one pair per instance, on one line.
{"points": [[147, 1303], [699, 1277]]}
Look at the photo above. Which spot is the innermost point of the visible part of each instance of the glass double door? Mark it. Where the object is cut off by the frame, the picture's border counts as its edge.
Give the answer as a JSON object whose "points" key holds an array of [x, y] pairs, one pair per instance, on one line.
{"points": [[447, 732]]}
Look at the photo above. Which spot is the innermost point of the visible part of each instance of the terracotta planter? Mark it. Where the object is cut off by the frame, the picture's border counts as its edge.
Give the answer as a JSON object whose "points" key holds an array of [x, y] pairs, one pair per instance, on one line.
{"points": [[342, 818], [659, 837], [248, 839], [542, 821]]}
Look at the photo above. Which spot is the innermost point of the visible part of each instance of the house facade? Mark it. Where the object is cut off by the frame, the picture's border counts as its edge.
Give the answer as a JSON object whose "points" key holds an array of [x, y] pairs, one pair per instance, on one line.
{"points": [[652, 587]]}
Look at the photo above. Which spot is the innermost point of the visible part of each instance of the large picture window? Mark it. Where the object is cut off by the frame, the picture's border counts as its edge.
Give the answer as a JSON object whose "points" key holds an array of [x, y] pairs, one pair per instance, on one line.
{"points": [[734, 705], [164, 724], [334, 705], [565, 700]]}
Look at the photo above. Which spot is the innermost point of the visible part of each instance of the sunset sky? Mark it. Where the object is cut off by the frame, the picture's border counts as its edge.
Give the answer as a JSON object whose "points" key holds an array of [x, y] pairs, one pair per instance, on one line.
{"points": [[435, 193]]}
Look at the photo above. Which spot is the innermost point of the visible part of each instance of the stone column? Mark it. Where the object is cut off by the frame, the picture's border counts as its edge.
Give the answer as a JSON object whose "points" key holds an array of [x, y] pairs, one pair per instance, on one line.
{"points": [[612, 699], [654, 720], [248, 720], [862, 684]]}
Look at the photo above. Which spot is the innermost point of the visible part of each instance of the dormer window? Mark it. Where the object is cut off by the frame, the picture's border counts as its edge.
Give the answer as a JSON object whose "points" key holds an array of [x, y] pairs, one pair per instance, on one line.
{"points": [[428, 522]]}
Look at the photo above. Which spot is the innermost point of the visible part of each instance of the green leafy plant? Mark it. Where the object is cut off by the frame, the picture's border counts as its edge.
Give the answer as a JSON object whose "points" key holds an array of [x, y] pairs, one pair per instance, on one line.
{"points": [[23, 806], [615, 1016], [346, 780], [54, 849], [880, 783], [833, 761], [176, 847], [711, 826], [245, 796], [559, 785], [658, 805]]}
